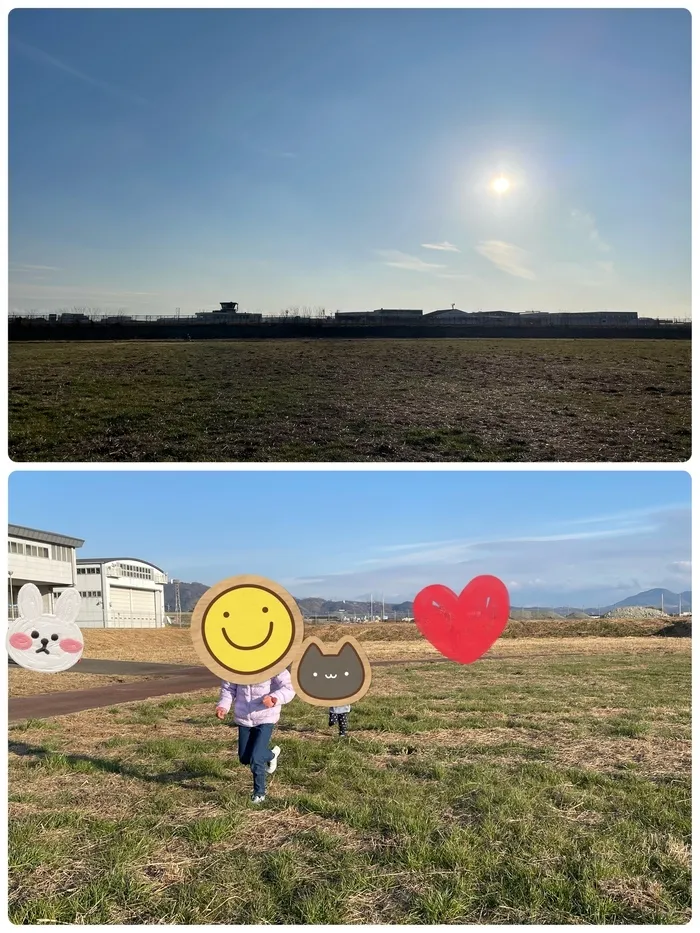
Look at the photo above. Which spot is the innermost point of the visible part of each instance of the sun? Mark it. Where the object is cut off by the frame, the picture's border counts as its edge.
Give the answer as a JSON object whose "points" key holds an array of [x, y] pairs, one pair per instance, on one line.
{"points": [[500, 185]]}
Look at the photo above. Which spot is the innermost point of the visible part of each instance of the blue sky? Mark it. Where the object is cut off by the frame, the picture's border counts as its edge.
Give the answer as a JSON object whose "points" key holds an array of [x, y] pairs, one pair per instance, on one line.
{"points": [[555, 538], [342, 158]]}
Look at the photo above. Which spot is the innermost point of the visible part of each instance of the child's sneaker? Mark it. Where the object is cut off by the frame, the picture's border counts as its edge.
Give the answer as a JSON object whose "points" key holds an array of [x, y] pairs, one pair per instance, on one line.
{"points": [[256, 798], [272, 765]]}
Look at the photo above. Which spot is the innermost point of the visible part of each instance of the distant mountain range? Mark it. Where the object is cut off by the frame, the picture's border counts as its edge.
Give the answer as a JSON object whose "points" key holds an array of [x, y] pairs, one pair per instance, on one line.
{"points": [[656, 599], [315, 607]]}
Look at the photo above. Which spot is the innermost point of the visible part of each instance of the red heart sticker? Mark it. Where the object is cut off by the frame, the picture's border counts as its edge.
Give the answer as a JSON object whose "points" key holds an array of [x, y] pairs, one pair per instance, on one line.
{"points": [[463, 627]]}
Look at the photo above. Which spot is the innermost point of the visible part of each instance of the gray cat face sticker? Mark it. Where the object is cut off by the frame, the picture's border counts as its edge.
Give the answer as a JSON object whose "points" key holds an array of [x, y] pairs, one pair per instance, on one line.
{"points": [[331, 677]]}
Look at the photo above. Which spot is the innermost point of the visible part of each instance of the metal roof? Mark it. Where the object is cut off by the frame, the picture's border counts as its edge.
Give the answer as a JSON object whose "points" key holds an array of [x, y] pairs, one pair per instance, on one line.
{"points": [[109, 560], [47, 537]]}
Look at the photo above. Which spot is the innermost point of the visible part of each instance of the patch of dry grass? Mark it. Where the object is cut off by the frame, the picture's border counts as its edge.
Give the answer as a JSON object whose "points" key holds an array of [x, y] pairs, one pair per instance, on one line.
{"points": [[288, 400], [167, 646], [25, 683], [381, 641]]}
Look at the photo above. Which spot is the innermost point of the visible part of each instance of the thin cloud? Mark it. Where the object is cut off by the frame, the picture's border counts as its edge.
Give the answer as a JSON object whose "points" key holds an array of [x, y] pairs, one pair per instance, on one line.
{"points": [[629, 515], [20, 267], [587, 224], [467, 550], [568, 569], [682, 565], [506, 257], [38, 55], [398, 260], [32, 296], [453, 275], [447, 247]]}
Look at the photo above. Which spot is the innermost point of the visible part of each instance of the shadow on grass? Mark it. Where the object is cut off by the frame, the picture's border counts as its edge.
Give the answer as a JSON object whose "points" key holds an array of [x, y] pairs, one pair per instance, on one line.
{"points": [[87, 763]]}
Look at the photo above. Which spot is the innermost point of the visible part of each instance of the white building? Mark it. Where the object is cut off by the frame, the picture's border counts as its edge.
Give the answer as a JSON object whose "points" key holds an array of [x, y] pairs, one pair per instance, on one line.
{"points": [[43, 558], [120, 592]]}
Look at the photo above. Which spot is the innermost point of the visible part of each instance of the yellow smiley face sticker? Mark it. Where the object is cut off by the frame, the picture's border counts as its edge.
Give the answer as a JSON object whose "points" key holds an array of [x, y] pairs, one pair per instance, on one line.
{"points": [[247, 629]]}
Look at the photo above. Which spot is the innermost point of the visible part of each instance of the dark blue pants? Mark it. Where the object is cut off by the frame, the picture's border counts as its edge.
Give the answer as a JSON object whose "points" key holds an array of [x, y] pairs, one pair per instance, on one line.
{"points": [[253, 750]]}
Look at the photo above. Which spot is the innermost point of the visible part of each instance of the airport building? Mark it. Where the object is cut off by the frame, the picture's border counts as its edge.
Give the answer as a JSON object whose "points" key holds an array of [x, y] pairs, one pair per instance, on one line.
{"points": [[121, 592], [380, 316], [117, 592], [44, 558], [228, 313]]}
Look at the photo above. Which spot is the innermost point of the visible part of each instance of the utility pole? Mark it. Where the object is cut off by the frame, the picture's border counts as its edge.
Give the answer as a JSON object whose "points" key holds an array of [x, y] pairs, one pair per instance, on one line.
{"points": [[178, 604]]}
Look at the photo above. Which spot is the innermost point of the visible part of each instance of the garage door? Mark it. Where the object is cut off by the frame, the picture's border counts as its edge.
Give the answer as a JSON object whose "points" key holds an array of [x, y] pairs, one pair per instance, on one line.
{"points": [[132, 608], [143, 607]]}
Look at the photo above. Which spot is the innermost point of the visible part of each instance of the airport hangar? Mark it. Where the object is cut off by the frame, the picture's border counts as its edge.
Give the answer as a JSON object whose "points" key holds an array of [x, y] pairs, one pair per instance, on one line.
{"points": [[117, 592]]}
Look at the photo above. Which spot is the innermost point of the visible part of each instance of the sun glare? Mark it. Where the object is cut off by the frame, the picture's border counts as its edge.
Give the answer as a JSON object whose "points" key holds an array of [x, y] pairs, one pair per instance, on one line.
{"points": [[500, 185]]}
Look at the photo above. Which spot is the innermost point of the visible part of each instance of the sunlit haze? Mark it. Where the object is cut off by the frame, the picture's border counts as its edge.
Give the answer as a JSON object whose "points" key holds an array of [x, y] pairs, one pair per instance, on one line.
{"points": [[350, 159], [500, 185]]}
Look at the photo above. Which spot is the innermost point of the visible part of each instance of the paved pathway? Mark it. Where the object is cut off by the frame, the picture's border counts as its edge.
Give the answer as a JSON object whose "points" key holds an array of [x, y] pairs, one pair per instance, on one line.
{"points": [[126, 668], [170, 679], [75, 701]]}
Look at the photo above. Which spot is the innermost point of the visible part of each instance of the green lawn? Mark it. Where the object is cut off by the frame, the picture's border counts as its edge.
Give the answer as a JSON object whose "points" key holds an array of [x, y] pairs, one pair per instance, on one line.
{"points": [[351, 400], [536, 790]]}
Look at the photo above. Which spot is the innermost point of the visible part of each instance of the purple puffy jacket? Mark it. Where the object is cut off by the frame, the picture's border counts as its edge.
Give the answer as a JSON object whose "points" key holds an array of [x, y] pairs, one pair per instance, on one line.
{"points": [[248, 709]]}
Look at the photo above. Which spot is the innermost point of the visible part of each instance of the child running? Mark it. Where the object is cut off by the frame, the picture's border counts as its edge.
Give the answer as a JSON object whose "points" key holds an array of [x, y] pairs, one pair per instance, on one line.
{"points": [[339, 714], [256, 709]]}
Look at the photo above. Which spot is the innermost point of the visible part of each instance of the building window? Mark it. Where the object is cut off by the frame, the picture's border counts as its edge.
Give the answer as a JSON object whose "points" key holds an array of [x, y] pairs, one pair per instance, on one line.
{"points": [[34, 550], [136, 572], [58, 552], [91, 594], [88, 569], [15, 547]]}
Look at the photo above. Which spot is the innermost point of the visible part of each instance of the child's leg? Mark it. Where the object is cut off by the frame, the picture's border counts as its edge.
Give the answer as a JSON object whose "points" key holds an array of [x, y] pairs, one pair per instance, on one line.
{"points": [[260, 756], [245, 744], [342, 723], [332, 717]]}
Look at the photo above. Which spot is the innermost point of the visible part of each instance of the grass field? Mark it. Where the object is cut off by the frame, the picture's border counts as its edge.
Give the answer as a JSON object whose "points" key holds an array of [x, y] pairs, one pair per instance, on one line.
{"points": [[351, 400], [546, 786]]}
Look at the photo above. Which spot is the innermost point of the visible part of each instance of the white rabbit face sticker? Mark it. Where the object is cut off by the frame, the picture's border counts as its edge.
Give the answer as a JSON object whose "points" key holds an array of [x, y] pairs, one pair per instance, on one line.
{"points": [[43, 642]]}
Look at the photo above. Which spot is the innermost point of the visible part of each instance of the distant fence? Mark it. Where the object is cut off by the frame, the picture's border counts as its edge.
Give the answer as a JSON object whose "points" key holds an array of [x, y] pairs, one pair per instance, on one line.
{"points": [[28, 328]]}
